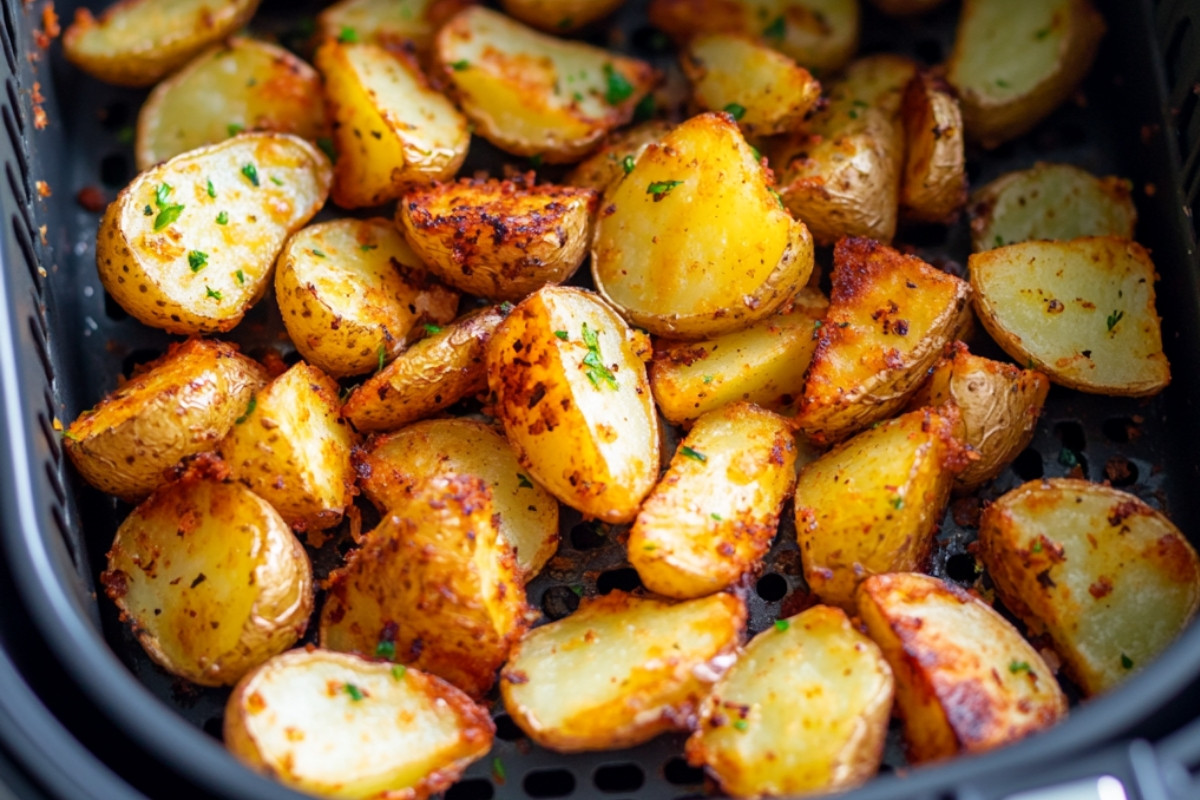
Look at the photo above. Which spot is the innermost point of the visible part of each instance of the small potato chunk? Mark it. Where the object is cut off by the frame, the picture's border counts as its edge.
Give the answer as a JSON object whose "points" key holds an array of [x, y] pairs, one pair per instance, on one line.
{"points": [[1081, 311], [189, 245], [338, 725], [1108, 578], [764, 90], [803, 710], [616, 156], [966, 681], [676, 278], [352, 293], [933, 187], [571, 389], [872, 504], [714, 513], [499, 239], [435, 586], [1003, 97], [890, 317], [180, 405], [528, 514], [1050, 201], [137, 42], [535, 95], [436, 372], [620, 670], [210, 578], [389, 21], [560, 16]]}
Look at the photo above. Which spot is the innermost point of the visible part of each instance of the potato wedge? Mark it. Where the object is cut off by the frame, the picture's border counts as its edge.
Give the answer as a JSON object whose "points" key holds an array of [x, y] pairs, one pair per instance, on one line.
{"points": [[178, 571], [713, 515], [499, 239], [1050, 201], [675, 278], [889, 318], [352, 293], [620, 670], [906, 8], [137, 42], [620, 150], [388, 22], [528, 514], [1005, 97], [872, 504], [803, 710], [337, 725], [435, 586], [570, 387], [1108, 578], [188, 246], [560, 16], [391, 129], [534, 95], [1081, 311], [181, 404], [933, 187]]}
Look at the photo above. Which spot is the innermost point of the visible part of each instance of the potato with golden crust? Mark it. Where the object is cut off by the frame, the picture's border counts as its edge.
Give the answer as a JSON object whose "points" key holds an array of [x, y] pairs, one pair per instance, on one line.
{"points": [[335, 724], [179, 405], [499, 239], [616, 156], [388, 22], [803, 710], [933, 185], [1111, 580], [560, 16], [620, 670], [966, 680]]}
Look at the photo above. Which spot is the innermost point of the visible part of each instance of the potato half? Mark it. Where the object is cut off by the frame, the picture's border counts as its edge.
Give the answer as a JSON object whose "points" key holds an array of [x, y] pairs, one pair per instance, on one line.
{"points": [[620, 670], [616, 156], [388, 21], [1108, 578], [560, 16], [933, 186]]}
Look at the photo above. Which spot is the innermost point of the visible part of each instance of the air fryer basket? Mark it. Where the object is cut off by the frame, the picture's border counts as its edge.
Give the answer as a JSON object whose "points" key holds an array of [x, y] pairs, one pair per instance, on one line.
{"points": [[63, 344]]}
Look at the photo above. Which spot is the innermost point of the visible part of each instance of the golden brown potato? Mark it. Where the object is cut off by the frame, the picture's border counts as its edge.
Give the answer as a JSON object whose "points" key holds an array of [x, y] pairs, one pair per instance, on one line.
{"points": [[675, 278], [889, 318], [560, 16], [570, 387], [210, 578], [499, 239], [620, 670], [435, 586], [388, 21], [528, 514], [535, 95], [1081, 311], [803, 710], [188, 246], [338, 725], [180, 405], [616, 156], [871, 505], [353, 294], [1108, 578], [1003, 97], [966, 681], [933, 187], [906, 8]]}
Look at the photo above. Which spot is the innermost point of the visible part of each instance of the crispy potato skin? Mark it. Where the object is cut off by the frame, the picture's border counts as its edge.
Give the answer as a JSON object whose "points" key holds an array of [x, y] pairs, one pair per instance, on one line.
{"points": [[605, 167], [390, 22], [560, 16], [182, 404], [1111, 580], [933, 187], [966, 681]]}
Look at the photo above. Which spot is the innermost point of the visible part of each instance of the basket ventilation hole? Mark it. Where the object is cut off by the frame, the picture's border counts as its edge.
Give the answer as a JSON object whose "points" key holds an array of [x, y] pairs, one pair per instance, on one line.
{"points": [[626, 579], [473, 789], [215, 727], [1071, 435], [18, 147], [115, 170], [771, 587], [930, 51], [1028, 465], [1176, 49], [558, 602], [115, 116], [626, 777], [506, 729], [9, 37], [50, 436], [14, 102], [960, 568], [42, 352], [55, 483], [65, 533], [113, 310], [679, 772], [25, 242], [587, 536], [1121, 430], [549, 783]]}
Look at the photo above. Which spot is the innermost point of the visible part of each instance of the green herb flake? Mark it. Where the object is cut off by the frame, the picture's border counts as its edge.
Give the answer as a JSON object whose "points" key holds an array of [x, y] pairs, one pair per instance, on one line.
{"points": [[627, 164], [577, 589], [126, 135], [326, 145], [223, 218], [348, 34], [381, 354], [1126, 662], [860, 104], [1113, 319], [1018, 666], [276, 181], [1037, 547], [167, 212], [386, 649], [535, 160], [241, 277], [398, 671], [234, 128], [506, 308], [1003, 84], [853, 114], [1042, 34], [577, 97], [459, 66], [782, 625], [366, 248], [735, 110], [498, 769], [596, 371], [355, 693], [661, 189], [251, 173], [778, 197], [708, 378], [253, 404], [1067, 457], [651, 546], [741, 724], [432, 329], [897, 502], [999, 240], [212, 190], [148, 211], [619, 89], [197, 260], [716, 516], [210, 292], [68, 435], [645, 109], [318, 252], [777, 29], [562, 335], [523, 482], [756, 153], [695, 455]]}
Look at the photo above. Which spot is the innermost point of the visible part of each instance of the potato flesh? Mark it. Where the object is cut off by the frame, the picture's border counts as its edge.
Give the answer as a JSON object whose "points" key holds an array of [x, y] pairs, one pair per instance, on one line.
{"points": [[388, 21], [605, 167]]}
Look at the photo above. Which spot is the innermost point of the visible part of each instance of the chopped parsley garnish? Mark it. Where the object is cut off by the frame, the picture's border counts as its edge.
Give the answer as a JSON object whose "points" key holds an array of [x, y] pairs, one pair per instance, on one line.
{"points": [[498, 768], [354, 692], [1126, 662], [234, 128], [212, 190], [618, 88], [398, 671], [782, 625], [708, 378], [432, 329], [1042, 34], [382, 352], [211, 292], [276, 181], [318, 252], [253, 404], [651, 546], [506, 308], [999, 240], [627, 164], [741, 724], [562, 335], [167, 212], [735, 110], [716, 516], [1067, 457], [695, 455], [197, 260], [523, 482], [596, 371], [1037, 547], [535, 160], [645, 109], [348, 34], [897, 502], [1003, 84], [251, 173], [1018, 666], [241, 277], [148, 211], [577, 589], [326, 145], [366, 248], [778, 197], [777, 29], [386, 649], [661, 189], [1113, 319], [755, 152], [223, 218], [459, 66]]}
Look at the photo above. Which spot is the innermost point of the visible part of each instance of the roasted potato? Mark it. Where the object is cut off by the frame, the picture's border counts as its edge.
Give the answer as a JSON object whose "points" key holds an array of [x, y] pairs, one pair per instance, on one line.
{"points": [[1050, 201], [560, 16], [966, 681], [620, 670], [676, 278], [906, 8], [933, 186], [337, 725], [137, 42], [872, 504], [1108, 578], [616, 156], [1003, 97], [803, 710], [353, 294], [210, 578], [181, 404], [388, 22], [391, 129], [889, 318], [435, 586], [499, 239], [188, 246], [570, 387], [534, 95], [1081, 311], [527, 513]]}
